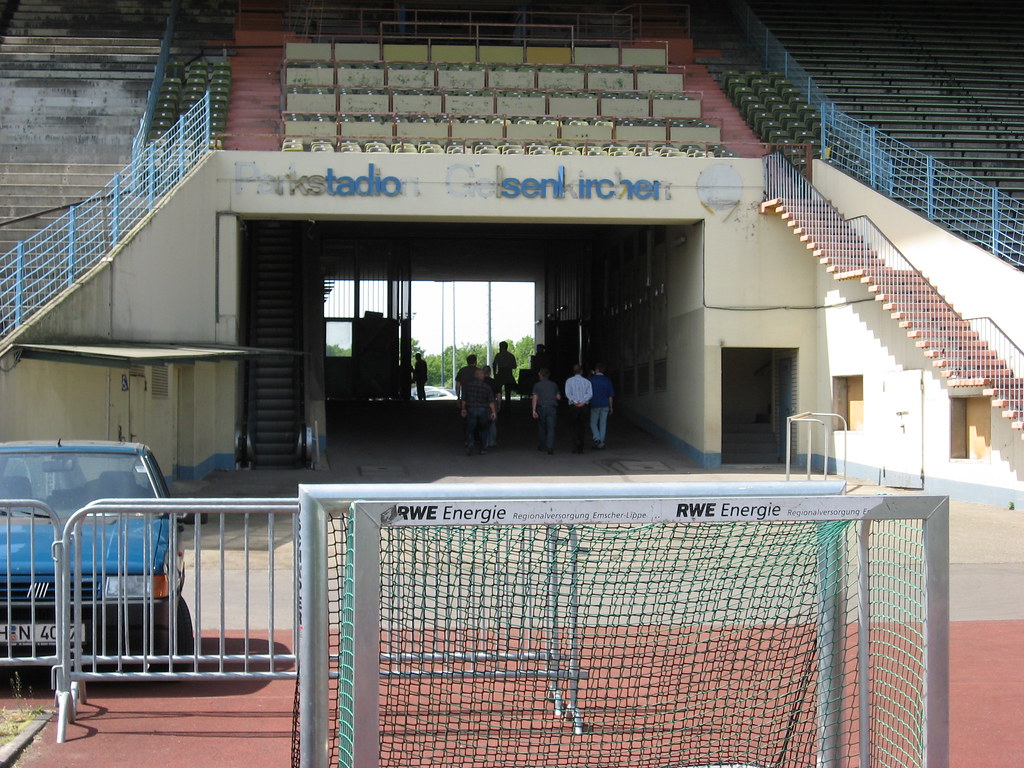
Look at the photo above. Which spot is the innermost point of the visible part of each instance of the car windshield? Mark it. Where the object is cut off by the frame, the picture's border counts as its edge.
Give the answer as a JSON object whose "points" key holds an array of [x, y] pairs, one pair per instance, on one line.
{"points": [[68, 480]]}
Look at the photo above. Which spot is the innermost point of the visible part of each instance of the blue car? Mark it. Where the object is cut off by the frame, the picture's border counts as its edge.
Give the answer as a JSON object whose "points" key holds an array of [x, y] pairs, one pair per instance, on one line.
{"points": [[129, 575]]}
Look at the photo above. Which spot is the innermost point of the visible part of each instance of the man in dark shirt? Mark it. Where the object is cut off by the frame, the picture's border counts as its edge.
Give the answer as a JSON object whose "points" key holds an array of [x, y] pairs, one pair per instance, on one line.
{"points": [[465, 374], [419, 375], [545, 403], [478, 407]]}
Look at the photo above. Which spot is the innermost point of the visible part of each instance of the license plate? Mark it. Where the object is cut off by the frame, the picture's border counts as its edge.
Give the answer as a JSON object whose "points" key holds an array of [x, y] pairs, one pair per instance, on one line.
{"points": [[26, 634]]}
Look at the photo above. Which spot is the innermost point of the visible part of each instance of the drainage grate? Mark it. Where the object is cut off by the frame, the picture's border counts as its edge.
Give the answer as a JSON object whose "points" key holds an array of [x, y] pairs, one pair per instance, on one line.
{"points": [[381, 470], [633, 467]]}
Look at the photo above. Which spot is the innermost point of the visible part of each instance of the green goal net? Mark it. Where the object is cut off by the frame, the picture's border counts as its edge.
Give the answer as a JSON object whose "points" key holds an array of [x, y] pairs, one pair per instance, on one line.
{"points": [[669, 642]]}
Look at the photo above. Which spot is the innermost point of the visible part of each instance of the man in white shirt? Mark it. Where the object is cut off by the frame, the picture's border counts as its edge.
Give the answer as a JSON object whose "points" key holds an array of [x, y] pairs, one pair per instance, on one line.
{"points": [[578, 393]]}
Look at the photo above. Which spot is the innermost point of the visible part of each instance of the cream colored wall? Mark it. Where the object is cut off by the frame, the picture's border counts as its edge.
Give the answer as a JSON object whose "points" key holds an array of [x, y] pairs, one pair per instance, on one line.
{"points": [[174, 255], [48, 400], [162, 286], [737, 281], [861, 338], [44, 400], [215, 410]]}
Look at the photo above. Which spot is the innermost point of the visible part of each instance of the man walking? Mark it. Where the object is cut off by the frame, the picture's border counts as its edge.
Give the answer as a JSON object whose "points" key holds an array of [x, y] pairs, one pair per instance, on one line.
{"points": [[545, 410], [600, 404], [505, 365], [419, 375], [478, 408], [579, 393], [465, 374]]}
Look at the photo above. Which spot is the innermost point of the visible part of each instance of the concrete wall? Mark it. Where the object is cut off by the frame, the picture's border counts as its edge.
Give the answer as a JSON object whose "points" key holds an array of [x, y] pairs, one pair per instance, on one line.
{"points": [[189, 424]]}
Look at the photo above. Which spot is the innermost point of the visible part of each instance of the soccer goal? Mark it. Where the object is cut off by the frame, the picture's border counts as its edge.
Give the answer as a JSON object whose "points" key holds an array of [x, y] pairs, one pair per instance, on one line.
{"points": [[646, 626]]}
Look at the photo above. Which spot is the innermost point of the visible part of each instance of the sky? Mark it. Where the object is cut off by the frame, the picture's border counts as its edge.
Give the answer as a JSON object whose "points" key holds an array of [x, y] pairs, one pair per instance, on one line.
{"points": [[512, 313]]}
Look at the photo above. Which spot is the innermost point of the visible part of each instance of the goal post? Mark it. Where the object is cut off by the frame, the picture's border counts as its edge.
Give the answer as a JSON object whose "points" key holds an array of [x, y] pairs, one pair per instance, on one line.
{"points": [[662, 625]]}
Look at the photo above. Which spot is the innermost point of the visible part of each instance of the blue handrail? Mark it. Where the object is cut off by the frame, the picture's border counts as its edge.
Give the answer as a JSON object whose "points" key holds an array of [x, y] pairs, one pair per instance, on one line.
{"points": [[950, 198], [158, 78], [45, 264]]}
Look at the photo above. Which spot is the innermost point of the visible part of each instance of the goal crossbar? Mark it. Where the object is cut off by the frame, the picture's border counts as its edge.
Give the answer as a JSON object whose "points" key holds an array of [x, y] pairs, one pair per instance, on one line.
{"points": [[353, 647]]}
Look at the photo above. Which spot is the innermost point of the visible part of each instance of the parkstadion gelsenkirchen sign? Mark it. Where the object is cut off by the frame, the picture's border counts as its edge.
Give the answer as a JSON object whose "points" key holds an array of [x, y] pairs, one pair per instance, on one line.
{"points": [[460, 180]]}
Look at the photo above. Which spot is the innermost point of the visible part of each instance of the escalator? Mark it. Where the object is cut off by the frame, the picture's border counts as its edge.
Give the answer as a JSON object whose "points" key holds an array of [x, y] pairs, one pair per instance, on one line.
{"points": [[274, 429]]}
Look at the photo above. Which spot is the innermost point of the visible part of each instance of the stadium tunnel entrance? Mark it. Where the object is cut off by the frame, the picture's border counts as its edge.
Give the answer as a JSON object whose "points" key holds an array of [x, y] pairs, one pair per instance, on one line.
{"points": [[340, 293]]}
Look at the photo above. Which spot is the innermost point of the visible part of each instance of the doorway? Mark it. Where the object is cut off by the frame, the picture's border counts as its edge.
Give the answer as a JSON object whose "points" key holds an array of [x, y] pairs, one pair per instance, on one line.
{"points": [[758, 394]]}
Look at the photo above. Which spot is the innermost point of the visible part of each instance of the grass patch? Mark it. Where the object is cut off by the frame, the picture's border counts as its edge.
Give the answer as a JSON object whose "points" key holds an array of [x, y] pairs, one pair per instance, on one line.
{"points": [[14, 721]]}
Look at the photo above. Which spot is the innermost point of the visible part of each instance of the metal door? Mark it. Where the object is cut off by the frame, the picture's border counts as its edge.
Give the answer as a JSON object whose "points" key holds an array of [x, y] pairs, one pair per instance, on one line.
{"points": [[902, 430]]}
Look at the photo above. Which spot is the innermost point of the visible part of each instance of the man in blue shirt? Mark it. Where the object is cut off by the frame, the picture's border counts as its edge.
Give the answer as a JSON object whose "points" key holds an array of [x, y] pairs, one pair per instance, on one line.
{"points": [[600, 404]]}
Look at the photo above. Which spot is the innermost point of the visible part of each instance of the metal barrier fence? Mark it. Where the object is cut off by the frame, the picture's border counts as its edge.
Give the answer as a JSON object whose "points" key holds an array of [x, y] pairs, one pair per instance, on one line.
{"points": [[962, 204], [134, 579], [30, 591], [43, 265]]}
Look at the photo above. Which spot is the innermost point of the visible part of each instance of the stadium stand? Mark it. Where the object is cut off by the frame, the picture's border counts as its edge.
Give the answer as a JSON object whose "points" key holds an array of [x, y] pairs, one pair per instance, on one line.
{"points": [[74, 79], [944, 77]]}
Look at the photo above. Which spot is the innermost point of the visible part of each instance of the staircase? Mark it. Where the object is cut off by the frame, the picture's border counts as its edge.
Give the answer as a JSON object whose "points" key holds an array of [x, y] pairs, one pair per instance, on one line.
{"points": [[34, 194], [853, 250], [254, 120], [717, 108], [749, 444]]}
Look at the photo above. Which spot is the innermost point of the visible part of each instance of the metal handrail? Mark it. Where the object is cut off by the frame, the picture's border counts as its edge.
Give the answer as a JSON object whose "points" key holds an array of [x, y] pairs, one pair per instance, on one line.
{"points": [[41, 267], [210, 661], [321, 28], [814, 417], [950, 198], [158, 78]]}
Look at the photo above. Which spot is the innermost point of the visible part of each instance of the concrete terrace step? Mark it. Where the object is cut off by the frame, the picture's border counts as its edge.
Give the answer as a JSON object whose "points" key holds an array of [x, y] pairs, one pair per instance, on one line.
{"points": [[57, 173], [26, 76], [62, 58], [65, 40]]}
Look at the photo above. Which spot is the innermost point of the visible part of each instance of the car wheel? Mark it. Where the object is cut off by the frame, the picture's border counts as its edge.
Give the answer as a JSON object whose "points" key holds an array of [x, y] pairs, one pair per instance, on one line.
{"points": [[186, 644]]}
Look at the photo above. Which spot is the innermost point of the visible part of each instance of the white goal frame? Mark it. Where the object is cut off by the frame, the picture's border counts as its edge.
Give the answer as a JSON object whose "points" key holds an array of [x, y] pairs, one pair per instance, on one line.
{"points": [[372, 506]]}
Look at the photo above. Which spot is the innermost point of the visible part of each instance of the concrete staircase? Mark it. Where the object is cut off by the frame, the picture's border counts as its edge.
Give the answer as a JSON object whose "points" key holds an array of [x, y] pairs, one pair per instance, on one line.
{"points": [[30, 191], [254, 119], [74, 79], [749, 444], [947, 341], [716, 108]]}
